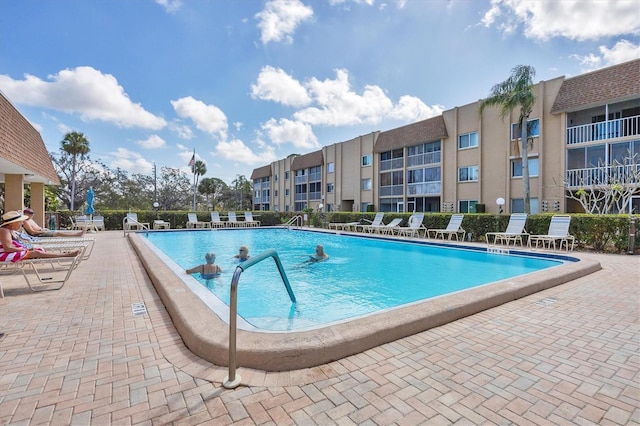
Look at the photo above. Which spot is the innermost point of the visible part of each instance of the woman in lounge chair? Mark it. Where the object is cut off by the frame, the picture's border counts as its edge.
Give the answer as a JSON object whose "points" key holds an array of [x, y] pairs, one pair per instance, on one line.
{"points": [[12, 250], [36, 230], [208, 270]]}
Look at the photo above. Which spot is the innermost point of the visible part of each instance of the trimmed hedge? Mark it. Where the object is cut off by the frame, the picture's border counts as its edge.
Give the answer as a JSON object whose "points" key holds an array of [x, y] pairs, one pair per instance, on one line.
{"points": [[609, 233]]}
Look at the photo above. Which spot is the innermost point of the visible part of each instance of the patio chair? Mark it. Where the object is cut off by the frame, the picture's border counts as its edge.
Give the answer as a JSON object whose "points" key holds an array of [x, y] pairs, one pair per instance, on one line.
{"points": [[514, 232], [387, 229], [233, 220], [414, 227], [193, 222], [558, 232], [131, 223], [454, 228], [216, 222], [248, 219], [98, 223], [377, 221], [65, 244], [41, 274], [343, 226], [161, 224]]}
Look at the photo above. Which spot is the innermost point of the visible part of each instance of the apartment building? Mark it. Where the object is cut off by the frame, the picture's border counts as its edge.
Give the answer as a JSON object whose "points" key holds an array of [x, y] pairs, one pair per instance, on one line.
{"points": [[582, 128]]}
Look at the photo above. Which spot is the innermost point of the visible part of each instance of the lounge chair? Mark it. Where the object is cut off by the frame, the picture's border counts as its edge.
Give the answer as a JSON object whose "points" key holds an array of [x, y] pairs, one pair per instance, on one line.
{"points": [[131, 223], [343, 226], [377, 221], [233, 220], [41, 274], [193, 222], [161, 224], [389, 228], [248, 220], [216, 222], [414, 227], [98, 223], [558, 232], [65, 244], [454, 228], [514, 232]]}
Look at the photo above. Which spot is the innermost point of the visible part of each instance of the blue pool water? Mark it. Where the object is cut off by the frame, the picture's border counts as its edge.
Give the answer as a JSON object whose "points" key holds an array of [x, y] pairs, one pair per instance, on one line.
{"points": [[362, 275]]}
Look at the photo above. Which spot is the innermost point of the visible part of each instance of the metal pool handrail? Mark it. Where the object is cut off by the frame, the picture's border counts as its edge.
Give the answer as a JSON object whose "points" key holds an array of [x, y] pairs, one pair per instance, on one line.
{"points": [[232, 381], [297, 219]]}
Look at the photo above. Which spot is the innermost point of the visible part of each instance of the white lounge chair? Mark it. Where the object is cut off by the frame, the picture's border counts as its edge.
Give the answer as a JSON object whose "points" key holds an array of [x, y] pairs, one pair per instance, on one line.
{"points": [[161, 224], [193, 222], [514, 232], [343, 226], [558, 232], [377, 221], [216, 222], [131, 223], [389, 228], [248, 220], [454, 228], [41, 274], [98, 223], [414, 227], [233, 220]]}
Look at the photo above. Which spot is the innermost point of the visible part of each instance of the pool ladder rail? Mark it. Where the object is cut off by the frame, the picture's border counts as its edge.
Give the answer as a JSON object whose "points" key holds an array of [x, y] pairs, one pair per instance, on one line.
{"points": [[232, 380], [296, 220]]}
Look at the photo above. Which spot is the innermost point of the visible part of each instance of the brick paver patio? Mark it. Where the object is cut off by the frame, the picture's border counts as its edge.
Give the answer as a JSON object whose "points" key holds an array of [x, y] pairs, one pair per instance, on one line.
{"points": [[568, 355]]}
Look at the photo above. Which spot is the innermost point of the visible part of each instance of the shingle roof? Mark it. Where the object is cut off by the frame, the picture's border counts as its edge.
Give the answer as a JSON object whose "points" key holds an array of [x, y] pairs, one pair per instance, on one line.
{"points": [[261, 172], [305, 161], [427, 130], [22, 150], [616, 83]]}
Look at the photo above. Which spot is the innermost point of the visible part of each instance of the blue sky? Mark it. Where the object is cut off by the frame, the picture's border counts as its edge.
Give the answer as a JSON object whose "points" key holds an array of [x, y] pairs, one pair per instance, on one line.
{"points": [[246, 82]]}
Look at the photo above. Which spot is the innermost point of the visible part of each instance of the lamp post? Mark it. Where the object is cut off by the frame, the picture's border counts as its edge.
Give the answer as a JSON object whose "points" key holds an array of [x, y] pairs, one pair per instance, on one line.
{"points": [[155, 207], [500, 203]]}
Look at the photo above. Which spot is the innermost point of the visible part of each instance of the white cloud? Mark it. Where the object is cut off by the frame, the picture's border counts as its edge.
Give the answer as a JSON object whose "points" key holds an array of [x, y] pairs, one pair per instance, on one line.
{"points": [[182, 130], [207, 118], [622, 51], [572, 19], [410, 108], [273, 84], [84, 91], [280, 18], [287, 131], [152, 142], [170, 6], [236, 150], [131, 161]]}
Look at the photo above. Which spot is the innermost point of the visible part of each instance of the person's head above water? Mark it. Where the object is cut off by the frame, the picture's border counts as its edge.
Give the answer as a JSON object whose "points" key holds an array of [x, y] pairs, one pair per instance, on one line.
{"points": [[210, 257]]}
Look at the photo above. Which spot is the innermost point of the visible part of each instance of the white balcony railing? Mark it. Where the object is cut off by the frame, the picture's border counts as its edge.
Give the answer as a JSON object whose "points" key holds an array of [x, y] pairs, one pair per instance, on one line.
{"points": [[424, 188], [600, 176], [620, 128]]}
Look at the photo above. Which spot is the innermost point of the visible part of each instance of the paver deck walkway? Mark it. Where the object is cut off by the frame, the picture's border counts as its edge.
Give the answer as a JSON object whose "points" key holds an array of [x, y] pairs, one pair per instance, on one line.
{"points": [[568, 355]]}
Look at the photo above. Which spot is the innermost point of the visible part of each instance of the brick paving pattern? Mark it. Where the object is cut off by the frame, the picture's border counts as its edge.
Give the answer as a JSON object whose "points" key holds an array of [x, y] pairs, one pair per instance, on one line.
{"points": [[79, 356]]}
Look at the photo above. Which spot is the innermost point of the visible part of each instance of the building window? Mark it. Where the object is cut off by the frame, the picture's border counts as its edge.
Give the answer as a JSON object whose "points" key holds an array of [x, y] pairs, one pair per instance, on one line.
{"points": [[365, 184], [275, 178], [470, 140], [468, 174], [367, 159], [329, 207], [275, 192], [467, 206], [516, 167], [286, 208], [364, 206], [330, 188], [286, 175], [330, 167], [286, 192], [517, 205], [533, 129]]}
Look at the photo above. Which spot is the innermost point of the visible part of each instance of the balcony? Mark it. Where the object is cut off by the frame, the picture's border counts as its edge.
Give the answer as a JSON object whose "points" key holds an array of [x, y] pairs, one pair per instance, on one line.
{"points": [[601, 176], [426, 158], [424, 188], [301, 179], [612, 129], [395, 163], [391, 190]]}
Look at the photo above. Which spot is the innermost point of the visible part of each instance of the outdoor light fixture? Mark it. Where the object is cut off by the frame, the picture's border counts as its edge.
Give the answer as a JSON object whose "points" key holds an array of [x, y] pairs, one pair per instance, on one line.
{"points": [[500, 203]]}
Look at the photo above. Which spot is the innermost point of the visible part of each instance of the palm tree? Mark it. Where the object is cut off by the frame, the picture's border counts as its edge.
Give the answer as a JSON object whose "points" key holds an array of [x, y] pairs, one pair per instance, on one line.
{"points": [[198, 169], [75, 144], [517, 92]]}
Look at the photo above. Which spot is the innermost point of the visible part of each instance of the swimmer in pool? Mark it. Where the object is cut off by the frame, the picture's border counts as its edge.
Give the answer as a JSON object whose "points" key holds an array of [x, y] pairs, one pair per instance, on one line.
{"points": [[243, 254], [320, 255], [207, 270]]}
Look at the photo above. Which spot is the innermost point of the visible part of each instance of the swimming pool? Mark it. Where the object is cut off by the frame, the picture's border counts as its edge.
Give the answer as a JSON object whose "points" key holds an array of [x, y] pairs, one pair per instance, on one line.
{"points": [[361, 277], [207, 334]]}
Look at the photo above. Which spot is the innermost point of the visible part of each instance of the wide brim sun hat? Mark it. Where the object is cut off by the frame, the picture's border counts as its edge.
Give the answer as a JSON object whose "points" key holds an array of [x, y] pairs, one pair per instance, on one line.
{"points": [[13, 216]]}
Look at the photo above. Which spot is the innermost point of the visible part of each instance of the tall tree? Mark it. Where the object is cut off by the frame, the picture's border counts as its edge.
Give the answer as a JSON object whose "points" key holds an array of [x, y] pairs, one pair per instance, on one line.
{"points": [[198, 169], [76, 145], [517, 92], [212, 187]]}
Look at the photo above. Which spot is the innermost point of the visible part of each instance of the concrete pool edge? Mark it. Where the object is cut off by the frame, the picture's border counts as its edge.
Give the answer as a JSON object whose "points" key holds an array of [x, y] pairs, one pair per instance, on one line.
{"points": [[206, 335]]}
